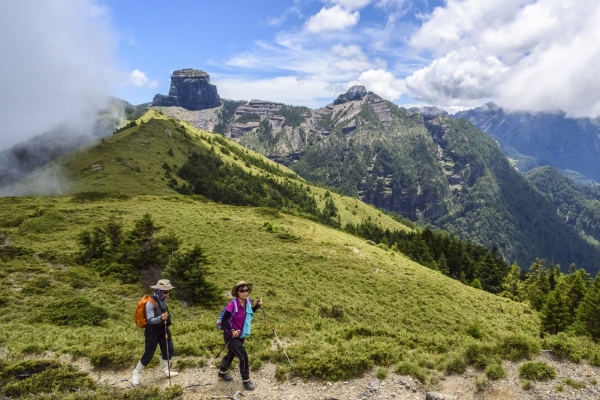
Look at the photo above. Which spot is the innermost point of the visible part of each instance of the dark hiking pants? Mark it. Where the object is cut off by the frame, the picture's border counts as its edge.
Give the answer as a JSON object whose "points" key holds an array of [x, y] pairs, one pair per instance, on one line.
{"points": [[155, 336], [236, 349]]}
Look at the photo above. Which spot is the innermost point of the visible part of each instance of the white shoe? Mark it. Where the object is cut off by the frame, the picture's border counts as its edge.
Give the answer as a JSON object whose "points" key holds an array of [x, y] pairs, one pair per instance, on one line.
{"points": [[135, 379], [164, 366]]}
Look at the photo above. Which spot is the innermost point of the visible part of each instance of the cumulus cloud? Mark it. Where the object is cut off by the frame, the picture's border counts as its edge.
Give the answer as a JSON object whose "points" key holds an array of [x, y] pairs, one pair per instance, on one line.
{"points": [[284, 89], [139, 79], [545, 51], [332, 19], [381, 82], [56, 66], [463, 75]]}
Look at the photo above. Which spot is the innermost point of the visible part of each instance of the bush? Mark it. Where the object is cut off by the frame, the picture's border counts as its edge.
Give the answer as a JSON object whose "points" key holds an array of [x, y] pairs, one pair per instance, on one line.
{"points": [[480, 355], [518, 347], [382, 373], [76, 311], [495, 372], [12, 220], [475, 329], [573, 383], [112, 358], [412, 369], [456, 364], [43, 376], [280, 374], [333, 366], [537, 370], [335, 311]]}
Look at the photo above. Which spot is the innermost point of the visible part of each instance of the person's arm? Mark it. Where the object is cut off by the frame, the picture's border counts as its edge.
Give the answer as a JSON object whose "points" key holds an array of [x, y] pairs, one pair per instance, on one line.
{"points": [[150, 317], [225, 321]]}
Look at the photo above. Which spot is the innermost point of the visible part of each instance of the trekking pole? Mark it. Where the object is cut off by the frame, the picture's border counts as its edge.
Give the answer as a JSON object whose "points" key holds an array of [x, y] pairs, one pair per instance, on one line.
{"points": [[275, 333], [168, 357], [208, 365]]}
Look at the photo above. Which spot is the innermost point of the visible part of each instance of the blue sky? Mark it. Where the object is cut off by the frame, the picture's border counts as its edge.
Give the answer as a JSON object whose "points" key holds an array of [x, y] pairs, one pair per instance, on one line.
{"points": [[240, 42], [62, 57]]}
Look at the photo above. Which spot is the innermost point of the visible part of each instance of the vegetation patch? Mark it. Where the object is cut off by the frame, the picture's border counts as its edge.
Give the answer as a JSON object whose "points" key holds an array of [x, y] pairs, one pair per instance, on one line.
{"points": [[76, 311], [537, 370], [43, 376]]}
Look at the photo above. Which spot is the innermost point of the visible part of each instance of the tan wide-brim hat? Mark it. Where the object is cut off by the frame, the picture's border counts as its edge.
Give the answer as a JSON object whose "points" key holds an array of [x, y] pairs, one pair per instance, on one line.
{"points": [[163, 284], [237, 285]]}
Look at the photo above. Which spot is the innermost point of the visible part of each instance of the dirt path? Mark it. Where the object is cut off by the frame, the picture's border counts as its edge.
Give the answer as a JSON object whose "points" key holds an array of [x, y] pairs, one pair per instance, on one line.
{"points": [[368, 387]]}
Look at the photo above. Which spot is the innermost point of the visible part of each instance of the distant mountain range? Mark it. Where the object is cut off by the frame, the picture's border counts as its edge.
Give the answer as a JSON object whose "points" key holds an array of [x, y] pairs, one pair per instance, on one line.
{"points": [[554, 139], [421, 163]]}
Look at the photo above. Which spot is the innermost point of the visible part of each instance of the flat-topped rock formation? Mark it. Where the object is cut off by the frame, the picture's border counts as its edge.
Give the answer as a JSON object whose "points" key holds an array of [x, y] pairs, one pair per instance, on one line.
{"points": [[190, 89]]}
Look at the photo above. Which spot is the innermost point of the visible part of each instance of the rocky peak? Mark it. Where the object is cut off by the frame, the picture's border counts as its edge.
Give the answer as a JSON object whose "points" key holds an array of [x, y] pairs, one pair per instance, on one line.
{"points": [[190, 89], [429, 111], [354, 93]]}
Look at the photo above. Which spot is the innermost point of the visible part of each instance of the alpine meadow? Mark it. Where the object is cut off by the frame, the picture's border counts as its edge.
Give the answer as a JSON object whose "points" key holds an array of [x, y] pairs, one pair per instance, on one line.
{"points": [[137, 209]]}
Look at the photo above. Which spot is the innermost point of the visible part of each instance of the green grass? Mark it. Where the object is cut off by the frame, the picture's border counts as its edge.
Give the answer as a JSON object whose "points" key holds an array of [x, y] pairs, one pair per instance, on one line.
{"points": [[322, 269]]}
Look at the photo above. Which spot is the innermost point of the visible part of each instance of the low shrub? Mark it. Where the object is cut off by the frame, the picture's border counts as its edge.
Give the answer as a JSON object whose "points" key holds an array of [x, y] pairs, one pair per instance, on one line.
{"points": [[573, 383], [76, 311], [480, 355], [382, 373], [83, 197], [12, 220], [117, 358], [280, 374], [536, 370], [495, 372], [480, 383], [518, 347], [43, 376], [456, 364], [475, 329], [412, 369], [333, 365], [526, 384]]}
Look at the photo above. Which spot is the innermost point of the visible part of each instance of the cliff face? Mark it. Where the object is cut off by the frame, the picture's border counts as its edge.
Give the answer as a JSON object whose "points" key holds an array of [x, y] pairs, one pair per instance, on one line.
{"points": [[190, 89]]}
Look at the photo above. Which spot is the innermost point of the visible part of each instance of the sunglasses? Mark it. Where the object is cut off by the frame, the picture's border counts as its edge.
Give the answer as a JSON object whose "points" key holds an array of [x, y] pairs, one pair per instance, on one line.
{"points": [[166, 291], [243, 290]]}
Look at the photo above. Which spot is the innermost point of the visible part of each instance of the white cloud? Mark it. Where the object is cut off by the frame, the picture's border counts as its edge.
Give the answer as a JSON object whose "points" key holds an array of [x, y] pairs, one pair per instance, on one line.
{"points": [[351, 4], [548, 49], [139, 79], [285, 89], [381, 82], [460, 75], [332, 19], [57, 65]]}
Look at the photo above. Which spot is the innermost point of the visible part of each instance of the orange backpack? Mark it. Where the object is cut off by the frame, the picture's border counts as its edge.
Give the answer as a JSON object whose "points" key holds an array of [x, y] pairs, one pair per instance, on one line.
{"points": [[140, 312]]}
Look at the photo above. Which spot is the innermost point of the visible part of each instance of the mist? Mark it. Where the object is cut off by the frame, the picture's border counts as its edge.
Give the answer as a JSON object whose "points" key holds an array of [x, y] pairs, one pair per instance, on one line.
{"points": [[57, 69]]}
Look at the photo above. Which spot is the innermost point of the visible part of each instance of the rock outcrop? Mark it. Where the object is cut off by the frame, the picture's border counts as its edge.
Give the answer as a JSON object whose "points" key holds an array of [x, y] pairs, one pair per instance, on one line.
{"points": [[354, 93], [190, 89]]}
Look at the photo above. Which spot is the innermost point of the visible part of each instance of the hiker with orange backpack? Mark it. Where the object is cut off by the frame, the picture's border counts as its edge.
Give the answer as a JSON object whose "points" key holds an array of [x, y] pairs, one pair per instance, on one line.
{"points": [[235, 322], [153, 315]]}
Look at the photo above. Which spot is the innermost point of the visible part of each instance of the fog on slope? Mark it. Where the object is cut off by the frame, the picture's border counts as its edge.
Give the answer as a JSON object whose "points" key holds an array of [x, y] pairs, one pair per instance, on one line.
{"points": [[57, 66], [54, 78]]}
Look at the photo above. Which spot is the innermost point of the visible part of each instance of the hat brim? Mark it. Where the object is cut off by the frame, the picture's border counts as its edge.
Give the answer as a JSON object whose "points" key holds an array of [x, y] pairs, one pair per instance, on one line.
{"points": [[162, 287]]}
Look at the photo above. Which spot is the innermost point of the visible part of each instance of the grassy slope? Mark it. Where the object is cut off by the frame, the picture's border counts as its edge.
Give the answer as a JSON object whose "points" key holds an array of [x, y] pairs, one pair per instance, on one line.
{"points": [[325, 267]]}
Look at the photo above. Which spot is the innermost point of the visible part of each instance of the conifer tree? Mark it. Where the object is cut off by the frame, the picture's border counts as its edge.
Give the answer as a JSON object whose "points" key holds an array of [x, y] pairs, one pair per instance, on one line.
{"points": [[588, 312], [555, 314], [188, 272], [512, 285]]}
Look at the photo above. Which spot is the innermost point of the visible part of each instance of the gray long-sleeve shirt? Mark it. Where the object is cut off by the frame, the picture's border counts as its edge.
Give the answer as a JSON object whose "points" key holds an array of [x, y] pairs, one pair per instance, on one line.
{"points": [[153, 314]]}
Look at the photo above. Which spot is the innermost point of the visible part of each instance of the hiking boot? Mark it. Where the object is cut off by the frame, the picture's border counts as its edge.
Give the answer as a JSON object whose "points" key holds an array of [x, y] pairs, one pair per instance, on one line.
{"points": [[135, 379], [248, 385], [225, 376], [164, 366]]}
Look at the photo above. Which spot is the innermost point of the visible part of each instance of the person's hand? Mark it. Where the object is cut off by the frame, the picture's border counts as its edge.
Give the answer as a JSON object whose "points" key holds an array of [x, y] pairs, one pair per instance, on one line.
{"points": [[164, 316], [259, 302], [235, 333]]}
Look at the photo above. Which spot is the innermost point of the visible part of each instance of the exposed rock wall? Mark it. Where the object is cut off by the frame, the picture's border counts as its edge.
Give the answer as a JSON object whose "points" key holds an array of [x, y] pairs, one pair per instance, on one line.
{"points": [[190, 89]]}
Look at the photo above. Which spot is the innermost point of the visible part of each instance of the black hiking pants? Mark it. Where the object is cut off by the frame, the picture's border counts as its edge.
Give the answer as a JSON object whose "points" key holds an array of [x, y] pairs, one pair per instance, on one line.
{"points": [[236, 349], [155, 336]]}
